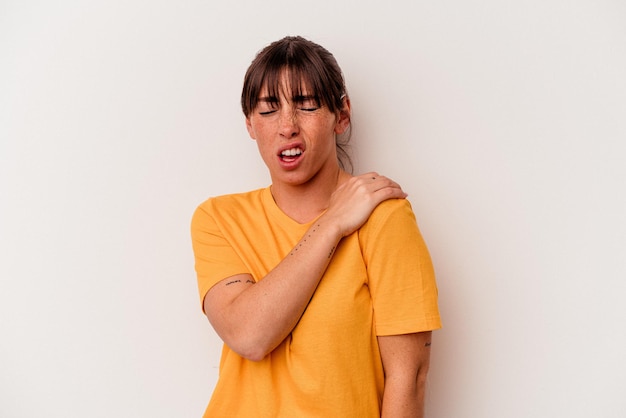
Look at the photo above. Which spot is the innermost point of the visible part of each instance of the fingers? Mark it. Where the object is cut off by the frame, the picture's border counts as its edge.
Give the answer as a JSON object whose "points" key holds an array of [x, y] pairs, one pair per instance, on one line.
{"points": [[383, 183], [369, 186], [353, 201]]}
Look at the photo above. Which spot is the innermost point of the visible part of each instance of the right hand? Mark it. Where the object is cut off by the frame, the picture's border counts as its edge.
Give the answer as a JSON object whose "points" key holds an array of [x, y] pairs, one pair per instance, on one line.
{"points": [[353, 201]]}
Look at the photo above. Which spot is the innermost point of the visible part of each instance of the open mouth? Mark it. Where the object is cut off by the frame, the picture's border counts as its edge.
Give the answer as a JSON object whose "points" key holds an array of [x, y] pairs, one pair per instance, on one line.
{"points": [[290, 154]]}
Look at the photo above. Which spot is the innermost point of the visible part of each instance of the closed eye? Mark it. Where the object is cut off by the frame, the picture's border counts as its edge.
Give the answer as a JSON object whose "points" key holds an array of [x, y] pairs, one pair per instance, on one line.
{"points": [[267, 105], [307, 103]]}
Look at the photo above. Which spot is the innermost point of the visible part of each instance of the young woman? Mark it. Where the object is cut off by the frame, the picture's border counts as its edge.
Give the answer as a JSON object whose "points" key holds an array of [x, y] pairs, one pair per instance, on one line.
{"points": [[320, 285]]}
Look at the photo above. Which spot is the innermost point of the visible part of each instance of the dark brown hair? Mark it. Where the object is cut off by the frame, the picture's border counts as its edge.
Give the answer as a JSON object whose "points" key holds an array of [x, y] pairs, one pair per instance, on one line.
{"points": [[310, 67]]}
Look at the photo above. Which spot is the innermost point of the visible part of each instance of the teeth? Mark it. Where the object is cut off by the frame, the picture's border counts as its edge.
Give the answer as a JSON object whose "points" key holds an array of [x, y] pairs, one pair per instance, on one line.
{"points": [[291, 152]]}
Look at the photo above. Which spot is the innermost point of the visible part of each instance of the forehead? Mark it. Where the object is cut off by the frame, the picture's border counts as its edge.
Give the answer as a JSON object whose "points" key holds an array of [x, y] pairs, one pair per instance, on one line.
{"points": [[287, 83]]}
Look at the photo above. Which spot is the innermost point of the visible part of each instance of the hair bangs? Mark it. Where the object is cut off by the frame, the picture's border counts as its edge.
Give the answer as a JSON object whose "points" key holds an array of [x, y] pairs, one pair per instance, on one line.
{"points": [[306, 75]]}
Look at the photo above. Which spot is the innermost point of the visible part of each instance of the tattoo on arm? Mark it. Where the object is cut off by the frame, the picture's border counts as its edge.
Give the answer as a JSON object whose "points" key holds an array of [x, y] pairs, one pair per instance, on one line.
{"points": [[427, 344], [303, 240], [239, 281]]}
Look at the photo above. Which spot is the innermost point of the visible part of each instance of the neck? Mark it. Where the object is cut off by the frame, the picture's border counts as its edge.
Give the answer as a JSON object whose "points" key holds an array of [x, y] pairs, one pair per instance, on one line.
{"points": [[305, 202]]}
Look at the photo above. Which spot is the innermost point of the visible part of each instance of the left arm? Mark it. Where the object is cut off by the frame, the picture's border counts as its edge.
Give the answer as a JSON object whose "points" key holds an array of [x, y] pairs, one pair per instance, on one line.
{"points": [[405, 361]]}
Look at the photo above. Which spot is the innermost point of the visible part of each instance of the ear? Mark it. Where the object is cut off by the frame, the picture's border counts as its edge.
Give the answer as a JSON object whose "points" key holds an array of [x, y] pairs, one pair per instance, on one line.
{"points": [[250, 129], [343, 118]]}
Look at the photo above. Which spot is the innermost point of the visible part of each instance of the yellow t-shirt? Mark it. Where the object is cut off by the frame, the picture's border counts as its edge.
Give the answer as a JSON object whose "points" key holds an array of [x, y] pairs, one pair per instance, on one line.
{"points": [[379, 282]]}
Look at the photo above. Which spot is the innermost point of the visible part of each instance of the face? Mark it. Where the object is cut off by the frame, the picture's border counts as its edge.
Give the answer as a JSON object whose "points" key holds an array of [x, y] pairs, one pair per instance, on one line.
{"points": [[295, 136]]}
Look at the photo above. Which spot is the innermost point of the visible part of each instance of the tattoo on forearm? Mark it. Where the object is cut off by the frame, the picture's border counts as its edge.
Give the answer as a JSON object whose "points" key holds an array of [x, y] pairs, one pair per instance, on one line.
{"points": [[427, 344], [303, 240]]}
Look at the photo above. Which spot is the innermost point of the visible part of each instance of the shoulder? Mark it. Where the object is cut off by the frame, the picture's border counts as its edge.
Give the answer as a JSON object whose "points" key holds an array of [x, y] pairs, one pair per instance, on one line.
{"points": [[392, 210], [393, 219], [234, 200], [229, 205]]}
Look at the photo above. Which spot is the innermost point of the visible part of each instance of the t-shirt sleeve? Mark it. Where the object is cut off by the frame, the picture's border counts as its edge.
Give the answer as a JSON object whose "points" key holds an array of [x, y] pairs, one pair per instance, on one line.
{"points": [[215, 258], [400, 272]]}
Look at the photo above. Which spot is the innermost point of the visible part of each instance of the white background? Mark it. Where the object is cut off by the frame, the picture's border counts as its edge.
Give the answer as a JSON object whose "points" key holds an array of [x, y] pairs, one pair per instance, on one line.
{"points": [[504, 121]]}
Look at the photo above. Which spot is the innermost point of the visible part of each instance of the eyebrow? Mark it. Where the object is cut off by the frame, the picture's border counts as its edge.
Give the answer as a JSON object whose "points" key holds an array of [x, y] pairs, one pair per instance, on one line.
{"points": [[297, 98], [303, 98]]}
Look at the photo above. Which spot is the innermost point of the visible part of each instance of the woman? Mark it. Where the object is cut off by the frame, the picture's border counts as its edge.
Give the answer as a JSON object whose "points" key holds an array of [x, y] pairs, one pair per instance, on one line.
{"points": [[320, 285]]}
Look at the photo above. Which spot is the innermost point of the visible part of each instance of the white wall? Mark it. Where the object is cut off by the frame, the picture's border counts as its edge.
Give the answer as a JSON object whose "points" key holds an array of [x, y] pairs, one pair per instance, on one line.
{"points": [[504, 120]]}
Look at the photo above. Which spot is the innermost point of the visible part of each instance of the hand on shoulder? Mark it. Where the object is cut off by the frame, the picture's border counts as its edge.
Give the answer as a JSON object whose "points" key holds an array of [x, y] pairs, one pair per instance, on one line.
{"points": [[356, 197]]}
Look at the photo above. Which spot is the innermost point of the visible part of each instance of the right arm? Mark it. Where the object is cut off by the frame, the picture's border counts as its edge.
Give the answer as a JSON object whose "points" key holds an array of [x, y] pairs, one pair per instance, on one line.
{"points": [[254, 318]]}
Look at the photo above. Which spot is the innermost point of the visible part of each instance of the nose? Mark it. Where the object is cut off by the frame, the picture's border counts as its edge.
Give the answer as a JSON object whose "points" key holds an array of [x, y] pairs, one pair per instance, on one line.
{"points": [[288, 122]]}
